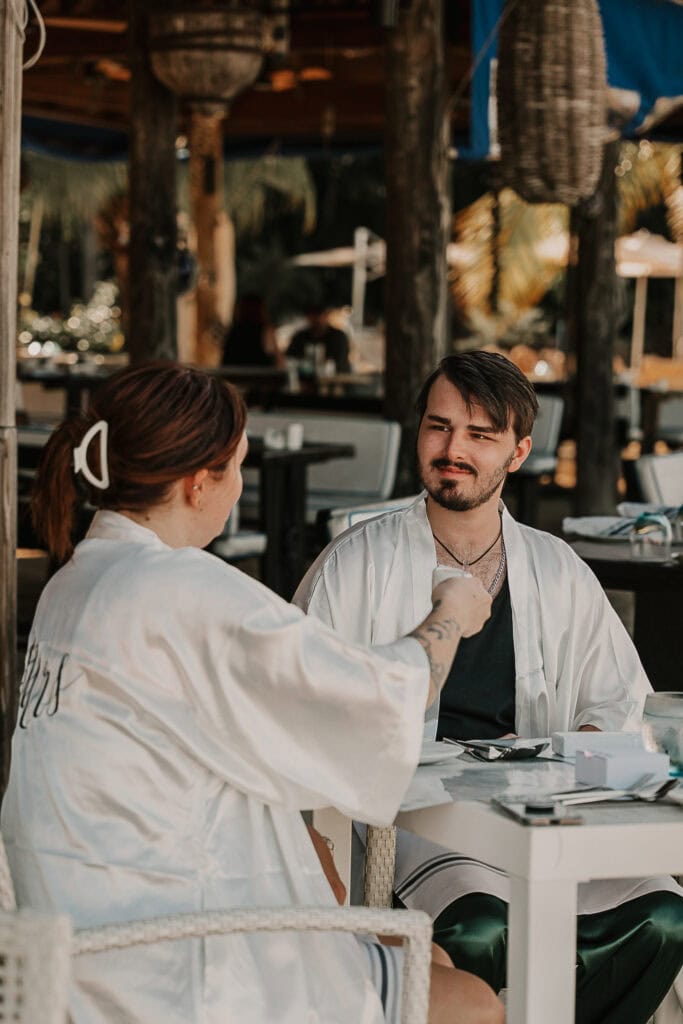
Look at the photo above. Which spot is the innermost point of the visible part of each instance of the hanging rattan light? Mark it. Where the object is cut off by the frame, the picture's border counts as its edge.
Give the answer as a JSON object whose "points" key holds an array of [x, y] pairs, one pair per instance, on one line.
{"points": [[552, 99], [207, 55]]}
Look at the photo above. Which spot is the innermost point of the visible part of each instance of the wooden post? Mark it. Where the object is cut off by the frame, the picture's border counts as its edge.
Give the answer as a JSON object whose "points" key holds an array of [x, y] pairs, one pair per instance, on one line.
{"points": [[638, 333], [417, 214], [210, 222], [152, 252], [10, 129], [677, 333], [591, 315]]}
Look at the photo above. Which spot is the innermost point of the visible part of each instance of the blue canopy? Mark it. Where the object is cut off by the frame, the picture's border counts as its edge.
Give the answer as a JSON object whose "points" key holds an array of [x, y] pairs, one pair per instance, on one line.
{"points": [[644, 44]]}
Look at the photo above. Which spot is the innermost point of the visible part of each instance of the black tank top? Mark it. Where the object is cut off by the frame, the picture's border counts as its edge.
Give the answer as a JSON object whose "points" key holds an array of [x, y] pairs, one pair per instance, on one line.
{"points": [[478, 700]]}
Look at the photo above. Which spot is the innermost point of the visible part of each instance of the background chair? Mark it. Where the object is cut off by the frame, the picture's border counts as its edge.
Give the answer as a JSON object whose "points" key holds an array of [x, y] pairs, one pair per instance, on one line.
{"points": [[414, 927], [334, 521], [542, 460], [669, 427], [367, 477], [660, 478], [235, 544], [35, 959]]}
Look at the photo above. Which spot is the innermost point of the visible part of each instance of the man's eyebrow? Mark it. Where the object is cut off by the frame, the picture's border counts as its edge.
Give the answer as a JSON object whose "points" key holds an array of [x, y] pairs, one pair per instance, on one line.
{"points": [[482, 430], [472, 427]]}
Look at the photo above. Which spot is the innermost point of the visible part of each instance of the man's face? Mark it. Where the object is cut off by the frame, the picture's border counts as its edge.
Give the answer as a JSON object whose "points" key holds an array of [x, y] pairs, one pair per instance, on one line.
{"points": [[462, 459]]}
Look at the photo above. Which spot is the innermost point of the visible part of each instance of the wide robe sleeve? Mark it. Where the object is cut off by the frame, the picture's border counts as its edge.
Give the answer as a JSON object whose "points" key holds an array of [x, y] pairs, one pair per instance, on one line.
{"points": [[270, 700], [576, 664], [601, 663]]}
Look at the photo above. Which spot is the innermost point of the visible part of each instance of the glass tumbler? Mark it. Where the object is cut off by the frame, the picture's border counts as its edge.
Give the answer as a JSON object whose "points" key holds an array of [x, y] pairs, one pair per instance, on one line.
{"points": [[651, 536], [678, 526]]}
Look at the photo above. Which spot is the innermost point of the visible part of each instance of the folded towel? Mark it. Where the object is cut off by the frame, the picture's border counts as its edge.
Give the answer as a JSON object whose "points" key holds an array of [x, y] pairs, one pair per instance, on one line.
{"points": [[598, 527]]}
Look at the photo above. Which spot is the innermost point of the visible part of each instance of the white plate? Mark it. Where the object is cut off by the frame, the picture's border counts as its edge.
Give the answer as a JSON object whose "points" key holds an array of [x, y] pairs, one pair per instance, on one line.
{"points": [[434, 751]]}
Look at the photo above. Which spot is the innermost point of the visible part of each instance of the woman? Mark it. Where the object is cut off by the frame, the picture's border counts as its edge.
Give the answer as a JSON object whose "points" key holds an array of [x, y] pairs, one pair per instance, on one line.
{"points": [[175, 716]]}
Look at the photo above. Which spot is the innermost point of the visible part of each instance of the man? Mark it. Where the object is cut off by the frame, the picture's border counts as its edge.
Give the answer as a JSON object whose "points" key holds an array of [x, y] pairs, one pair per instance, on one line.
{"points": [[328, 343], [553, 656]]}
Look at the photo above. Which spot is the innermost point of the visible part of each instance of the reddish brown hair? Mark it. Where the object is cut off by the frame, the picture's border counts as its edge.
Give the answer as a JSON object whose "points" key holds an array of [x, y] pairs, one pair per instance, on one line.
{"points": [[165, 422]]}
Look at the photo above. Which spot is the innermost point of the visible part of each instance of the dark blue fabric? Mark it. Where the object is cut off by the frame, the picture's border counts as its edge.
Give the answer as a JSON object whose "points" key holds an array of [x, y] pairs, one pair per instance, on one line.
{"points": [[643, 40]]}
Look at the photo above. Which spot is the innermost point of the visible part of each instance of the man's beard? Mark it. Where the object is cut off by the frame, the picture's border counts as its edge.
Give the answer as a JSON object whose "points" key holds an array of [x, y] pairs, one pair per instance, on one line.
{"points": [[446, 493]]}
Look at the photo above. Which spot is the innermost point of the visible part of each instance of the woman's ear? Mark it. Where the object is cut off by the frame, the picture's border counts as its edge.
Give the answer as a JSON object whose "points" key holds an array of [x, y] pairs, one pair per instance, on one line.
{"points": [[193, 487]]}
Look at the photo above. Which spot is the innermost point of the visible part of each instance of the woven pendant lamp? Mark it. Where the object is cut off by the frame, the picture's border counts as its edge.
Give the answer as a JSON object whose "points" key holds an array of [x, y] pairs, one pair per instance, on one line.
{"points": [[206, 55], [552, 99]]}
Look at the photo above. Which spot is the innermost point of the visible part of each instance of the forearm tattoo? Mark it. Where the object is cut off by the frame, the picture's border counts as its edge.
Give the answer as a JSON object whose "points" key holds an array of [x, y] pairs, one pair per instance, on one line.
{"points": [[436, 630]]}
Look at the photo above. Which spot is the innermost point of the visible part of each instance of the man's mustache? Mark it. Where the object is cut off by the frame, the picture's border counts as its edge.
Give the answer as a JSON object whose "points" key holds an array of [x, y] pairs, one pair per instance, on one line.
{"points": [[447, 464]]}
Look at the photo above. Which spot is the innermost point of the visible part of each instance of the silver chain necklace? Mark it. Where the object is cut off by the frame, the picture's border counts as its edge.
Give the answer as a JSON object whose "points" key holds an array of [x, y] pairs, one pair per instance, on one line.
{"points": [[499, 571]]}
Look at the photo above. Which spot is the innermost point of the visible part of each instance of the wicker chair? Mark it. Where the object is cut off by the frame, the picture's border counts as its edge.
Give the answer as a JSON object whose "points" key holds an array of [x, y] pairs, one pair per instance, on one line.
{"points": [[21, 947], [414, 926], [34, 967]]}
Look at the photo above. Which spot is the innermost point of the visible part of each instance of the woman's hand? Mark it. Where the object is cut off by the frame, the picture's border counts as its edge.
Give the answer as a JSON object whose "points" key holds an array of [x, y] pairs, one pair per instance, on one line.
{"points": [[467, 599], [461, 606], [324, 852]]}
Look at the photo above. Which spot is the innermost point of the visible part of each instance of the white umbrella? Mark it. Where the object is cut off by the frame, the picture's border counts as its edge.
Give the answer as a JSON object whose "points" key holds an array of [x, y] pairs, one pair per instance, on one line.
{"points": [[641, 256], [367, 256]]}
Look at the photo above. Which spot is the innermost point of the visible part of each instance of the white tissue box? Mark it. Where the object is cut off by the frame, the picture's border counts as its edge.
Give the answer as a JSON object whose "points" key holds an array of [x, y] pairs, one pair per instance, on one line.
{"points": [[566, 744], [620, 770]]}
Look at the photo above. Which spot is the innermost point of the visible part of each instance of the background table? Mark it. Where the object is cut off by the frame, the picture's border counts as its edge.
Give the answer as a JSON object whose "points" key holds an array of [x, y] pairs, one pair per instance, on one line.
{"points": [[658, 592], [282, 499]]}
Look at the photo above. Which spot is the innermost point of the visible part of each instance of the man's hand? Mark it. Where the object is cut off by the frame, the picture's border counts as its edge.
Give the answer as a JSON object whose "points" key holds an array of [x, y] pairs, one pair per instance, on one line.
{"points": [[327, 863]]}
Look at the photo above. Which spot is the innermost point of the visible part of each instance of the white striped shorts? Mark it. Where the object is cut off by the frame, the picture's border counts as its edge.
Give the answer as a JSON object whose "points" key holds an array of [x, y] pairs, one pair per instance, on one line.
{"points": [[386, 972]]}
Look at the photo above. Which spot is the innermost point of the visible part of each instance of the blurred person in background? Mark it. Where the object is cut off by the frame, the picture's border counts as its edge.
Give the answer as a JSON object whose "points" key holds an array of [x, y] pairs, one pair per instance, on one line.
{"points": [[250, 340], [320, 342]]}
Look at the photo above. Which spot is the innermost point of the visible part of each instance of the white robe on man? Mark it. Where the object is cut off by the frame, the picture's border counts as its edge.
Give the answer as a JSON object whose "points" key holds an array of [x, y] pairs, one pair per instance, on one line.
{"points": [[574, 663]]}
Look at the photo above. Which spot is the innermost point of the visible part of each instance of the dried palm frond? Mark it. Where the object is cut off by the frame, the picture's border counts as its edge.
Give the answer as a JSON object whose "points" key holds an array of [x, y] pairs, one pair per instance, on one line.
{"points": [[248, 183], [530, 251], [647, 174], [72, 191]]}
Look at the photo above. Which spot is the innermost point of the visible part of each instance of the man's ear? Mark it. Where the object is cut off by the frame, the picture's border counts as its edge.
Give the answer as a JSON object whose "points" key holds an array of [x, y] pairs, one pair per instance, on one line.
{"points": [[522, 449], [193, 485]]}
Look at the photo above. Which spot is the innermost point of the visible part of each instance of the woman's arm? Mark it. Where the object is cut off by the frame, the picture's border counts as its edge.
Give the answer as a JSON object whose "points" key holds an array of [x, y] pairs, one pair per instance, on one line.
{"points": [[461, 607]]}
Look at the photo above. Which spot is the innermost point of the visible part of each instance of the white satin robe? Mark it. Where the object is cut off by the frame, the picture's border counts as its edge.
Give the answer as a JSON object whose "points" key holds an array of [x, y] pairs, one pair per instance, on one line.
{"points": [[574, 662], [175, 718]]}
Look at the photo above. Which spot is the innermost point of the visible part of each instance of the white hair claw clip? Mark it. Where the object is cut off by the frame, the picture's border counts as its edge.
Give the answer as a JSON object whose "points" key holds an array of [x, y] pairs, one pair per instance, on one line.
{"points": [[81, 455]]}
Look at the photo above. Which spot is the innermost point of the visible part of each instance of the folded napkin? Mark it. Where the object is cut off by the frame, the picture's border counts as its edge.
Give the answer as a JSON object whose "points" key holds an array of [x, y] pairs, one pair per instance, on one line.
{"points": [[637, 508], [598, 527]]}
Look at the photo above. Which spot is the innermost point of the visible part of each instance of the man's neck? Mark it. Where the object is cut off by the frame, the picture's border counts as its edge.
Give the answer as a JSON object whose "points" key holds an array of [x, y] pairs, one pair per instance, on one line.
{"points": [[474, 528]]}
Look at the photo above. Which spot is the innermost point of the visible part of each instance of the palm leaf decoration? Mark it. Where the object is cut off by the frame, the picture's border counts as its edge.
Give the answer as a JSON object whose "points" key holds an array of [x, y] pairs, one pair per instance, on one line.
{"points": [[520, 250], [76, 191], [72, 191], [647, 175], [529, 252], [248, 185]]}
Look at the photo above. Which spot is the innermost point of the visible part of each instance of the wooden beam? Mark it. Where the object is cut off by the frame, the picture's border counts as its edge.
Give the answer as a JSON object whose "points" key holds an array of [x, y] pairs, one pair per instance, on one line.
{"points": [[113, 26], [10, 120]]}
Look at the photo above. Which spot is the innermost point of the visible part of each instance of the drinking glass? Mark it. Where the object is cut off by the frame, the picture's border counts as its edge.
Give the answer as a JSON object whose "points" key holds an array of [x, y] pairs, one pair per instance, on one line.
{"points": [[678, 526], [651, 537]]}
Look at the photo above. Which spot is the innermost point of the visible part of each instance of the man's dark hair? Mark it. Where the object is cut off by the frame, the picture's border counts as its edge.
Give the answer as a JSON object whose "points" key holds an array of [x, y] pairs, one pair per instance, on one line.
{"points": [[491, 381]]}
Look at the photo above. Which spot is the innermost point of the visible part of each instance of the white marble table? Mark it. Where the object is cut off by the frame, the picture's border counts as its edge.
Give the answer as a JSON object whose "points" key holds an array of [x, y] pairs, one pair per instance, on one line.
{"points": [[449, 804]]}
